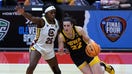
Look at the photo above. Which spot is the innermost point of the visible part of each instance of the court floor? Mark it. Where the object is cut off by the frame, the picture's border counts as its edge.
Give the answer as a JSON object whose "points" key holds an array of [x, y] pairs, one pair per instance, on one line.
{"points": [[66, 69]]}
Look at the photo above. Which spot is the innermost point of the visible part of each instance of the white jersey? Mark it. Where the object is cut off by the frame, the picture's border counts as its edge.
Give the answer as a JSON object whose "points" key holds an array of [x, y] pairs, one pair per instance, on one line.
{"points": [[46, 37]]}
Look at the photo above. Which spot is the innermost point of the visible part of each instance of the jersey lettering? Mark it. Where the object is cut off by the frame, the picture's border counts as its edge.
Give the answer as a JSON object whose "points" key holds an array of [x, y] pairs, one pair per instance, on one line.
{"points": [[50, 34], [75, 44]]}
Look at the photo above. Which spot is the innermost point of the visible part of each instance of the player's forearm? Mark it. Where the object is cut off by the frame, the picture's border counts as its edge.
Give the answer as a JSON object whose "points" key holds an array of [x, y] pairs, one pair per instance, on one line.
{"points": [[28, 16], [35, 20]]}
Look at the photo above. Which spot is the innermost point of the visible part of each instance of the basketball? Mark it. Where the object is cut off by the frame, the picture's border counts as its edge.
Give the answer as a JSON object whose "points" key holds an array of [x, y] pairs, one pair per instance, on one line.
{"points": [[92, 49]]}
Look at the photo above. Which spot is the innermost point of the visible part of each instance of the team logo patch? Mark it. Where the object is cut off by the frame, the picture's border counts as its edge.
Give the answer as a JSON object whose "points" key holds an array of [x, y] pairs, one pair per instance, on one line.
{"points": [[4, 26], [113, 27]]}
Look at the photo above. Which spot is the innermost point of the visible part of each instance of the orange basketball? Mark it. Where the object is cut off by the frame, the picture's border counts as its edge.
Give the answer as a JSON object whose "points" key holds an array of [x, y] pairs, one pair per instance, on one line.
{"points": [[92, 49]]}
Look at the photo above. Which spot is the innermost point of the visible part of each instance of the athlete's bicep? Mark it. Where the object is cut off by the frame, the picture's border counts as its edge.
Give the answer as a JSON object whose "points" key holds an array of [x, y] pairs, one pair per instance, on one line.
{"points": [[38, 21], [85, 36]]}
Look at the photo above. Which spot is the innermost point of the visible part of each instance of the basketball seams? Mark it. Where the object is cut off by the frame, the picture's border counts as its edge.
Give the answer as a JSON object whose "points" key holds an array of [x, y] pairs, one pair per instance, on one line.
{"points": [[92, 49]]}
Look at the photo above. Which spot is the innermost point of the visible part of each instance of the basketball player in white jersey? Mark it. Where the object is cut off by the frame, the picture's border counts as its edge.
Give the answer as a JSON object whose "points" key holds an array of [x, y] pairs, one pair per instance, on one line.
{"points": [[43, 45]]}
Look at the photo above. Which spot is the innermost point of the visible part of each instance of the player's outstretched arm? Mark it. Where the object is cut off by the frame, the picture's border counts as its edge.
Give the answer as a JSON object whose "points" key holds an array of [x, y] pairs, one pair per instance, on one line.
{"points": [[37, 20]]}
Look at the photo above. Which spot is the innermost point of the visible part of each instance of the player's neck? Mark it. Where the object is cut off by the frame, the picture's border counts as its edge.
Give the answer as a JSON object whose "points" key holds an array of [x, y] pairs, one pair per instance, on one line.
{"points": [[50, 20], [70, 34]]}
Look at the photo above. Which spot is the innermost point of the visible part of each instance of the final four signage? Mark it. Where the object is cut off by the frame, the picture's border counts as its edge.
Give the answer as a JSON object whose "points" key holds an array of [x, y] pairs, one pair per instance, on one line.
{"points": [[113, 27]]}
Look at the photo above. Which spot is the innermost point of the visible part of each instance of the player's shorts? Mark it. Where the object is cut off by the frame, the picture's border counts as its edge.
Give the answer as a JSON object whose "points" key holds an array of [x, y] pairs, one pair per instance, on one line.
{"points": [[93, 62], [45, 55], [81, 59]]}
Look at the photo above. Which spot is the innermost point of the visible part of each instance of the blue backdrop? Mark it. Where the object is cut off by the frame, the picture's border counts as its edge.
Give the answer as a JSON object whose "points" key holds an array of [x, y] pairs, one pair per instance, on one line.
{"points": [[111, 29]]}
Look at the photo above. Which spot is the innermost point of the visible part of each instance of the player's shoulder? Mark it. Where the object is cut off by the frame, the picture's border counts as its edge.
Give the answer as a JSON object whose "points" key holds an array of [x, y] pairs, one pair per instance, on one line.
{"points": [[60, 35], [78, 28]]}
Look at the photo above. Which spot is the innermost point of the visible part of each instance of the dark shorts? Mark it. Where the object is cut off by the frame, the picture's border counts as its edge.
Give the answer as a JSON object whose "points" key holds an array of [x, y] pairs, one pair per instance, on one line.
{"points": [[80, 57]]}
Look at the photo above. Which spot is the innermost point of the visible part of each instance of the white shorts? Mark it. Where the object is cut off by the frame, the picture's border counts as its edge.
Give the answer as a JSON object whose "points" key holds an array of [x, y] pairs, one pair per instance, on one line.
{"points": [[46, 53], [47, 56]]}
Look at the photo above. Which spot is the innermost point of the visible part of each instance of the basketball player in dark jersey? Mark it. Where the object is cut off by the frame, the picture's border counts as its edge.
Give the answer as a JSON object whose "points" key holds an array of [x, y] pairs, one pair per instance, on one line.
{"points": [[75, 39]]}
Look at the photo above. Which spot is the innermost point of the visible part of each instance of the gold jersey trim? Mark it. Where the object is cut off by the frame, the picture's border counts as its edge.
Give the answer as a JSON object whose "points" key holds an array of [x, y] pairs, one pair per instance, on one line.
{"points": [[94, 61], [82, 65]]}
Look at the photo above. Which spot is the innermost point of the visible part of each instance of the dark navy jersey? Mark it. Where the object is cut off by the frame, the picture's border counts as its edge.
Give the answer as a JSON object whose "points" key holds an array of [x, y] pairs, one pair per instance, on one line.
{"points": [[76, 43]]}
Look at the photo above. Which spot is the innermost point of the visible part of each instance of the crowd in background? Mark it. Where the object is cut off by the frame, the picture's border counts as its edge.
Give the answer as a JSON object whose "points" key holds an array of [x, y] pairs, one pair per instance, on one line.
{"points": [[126, 3], [40, 2]]}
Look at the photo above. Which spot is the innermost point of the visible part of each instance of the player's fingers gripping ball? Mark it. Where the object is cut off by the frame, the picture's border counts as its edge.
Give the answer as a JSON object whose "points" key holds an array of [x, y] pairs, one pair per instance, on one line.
{"points": [[92, 49]]}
